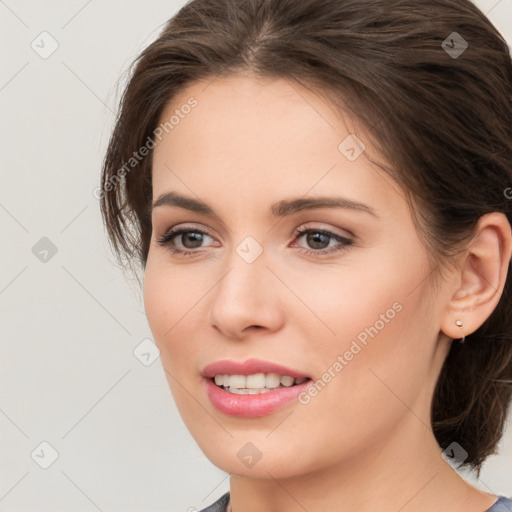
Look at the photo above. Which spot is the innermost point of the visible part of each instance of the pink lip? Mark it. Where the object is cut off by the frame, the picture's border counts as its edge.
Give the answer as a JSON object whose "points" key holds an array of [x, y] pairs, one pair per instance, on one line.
{"points": [[250, 406], [248, 367]]}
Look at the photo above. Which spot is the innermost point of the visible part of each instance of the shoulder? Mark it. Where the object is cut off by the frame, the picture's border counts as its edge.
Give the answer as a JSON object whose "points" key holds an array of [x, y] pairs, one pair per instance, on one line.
{"points": [[502, 505], [221, 504]]}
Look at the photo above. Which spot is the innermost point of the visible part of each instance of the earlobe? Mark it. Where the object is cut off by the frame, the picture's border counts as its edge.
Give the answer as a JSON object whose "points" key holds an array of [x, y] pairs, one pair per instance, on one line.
{"points": [[480, 278], [460, 323]]}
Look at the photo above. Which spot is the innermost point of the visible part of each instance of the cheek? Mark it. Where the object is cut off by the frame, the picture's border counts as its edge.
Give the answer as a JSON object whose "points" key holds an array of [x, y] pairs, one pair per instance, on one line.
{"points": [[158, 302], [375, 349], [167, 299], [175, 298], [168, 303]]}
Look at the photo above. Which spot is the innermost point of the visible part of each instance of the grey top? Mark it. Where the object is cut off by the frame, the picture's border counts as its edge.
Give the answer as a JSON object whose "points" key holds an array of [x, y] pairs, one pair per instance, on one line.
{"points": [[502, 505]]}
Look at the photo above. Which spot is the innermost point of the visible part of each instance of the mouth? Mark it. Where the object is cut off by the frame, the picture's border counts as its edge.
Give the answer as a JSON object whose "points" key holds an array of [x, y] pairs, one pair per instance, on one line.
{"points": [[253, 387]]}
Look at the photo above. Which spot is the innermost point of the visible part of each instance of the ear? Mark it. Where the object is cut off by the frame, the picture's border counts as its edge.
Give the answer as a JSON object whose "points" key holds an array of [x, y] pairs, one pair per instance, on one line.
{"points": [[481, 275]]}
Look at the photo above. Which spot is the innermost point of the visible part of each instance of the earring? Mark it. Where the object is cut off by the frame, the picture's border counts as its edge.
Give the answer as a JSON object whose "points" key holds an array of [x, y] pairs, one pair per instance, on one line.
{"points": [[460, 324]]}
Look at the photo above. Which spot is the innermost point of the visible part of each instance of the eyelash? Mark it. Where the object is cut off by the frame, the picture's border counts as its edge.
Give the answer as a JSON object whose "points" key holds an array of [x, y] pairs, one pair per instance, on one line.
{"points": [[169, 236]]}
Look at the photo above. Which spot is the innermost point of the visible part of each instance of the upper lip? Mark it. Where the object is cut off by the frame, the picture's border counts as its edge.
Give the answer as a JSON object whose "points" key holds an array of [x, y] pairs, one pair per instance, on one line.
{"points": [[248, 367]]}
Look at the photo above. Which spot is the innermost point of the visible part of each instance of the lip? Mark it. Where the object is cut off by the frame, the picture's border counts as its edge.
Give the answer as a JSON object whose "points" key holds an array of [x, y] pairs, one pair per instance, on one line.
{"points": [[251, 406], [248, 367]]}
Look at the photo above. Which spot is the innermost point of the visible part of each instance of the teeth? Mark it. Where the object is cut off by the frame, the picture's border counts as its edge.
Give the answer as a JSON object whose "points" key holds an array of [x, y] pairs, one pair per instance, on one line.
{"points": [[236, 381], [252, 381], [244, 391], [287, 381], [256, 383], [272, 380]]}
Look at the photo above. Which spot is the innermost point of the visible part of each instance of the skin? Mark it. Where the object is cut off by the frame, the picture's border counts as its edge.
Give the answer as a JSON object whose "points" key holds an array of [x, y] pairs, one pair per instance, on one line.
{"points": [[365, 439]]}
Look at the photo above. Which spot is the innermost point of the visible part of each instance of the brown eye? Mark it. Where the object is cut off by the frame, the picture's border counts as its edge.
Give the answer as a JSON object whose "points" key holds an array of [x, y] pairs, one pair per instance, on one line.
{"points": [[188, 238], [319, 239], [191, 239]]}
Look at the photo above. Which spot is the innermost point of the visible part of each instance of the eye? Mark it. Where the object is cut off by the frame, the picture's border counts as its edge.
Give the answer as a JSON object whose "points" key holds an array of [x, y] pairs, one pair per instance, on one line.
{"points": [[319, 239], [191, 238]]}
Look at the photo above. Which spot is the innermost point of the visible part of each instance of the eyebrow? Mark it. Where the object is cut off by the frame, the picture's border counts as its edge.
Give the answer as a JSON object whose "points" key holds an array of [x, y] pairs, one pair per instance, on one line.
{"points": [[279, 209], [287, 207]]}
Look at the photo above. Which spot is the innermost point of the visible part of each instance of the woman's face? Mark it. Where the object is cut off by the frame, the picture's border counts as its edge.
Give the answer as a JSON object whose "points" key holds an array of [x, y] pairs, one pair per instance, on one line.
{"points": [[351, 309]]}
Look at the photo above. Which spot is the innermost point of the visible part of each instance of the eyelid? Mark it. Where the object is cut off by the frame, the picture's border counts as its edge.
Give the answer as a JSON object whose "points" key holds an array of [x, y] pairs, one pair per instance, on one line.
{"points": [[178, 229], [296, 232], [188, 227], [344, 233]]}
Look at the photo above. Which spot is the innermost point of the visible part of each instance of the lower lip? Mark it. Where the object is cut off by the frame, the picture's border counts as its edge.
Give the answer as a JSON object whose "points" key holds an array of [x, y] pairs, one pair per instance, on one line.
{"points": [[251, 406]]}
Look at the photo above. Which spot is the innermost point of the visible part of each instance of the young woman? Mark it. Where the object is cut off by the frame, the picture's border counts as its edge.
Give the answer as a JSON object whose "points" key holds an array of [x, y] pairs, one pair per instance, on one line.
{"points": [[319, 195]]}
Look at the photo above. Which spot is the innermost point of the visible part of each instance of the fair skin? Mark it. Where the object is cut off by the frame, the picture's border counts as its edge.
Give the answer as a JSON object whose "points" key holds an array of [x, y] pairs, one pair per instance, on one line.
{"points": [[364, 443]]}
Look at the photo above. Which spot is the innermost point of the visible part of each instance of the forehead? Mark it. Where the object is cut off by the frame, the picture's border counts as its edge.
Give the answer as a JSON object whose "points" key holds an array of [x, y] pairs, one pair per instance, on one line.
{"points": [[249, 117], [248, 137]]}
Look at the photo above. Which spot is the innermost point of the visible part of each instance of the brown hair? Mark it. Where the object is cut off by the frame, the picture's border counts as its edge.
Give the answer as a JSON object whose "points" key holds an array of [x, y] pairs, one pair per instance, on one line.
{"points": [[441, 118]]}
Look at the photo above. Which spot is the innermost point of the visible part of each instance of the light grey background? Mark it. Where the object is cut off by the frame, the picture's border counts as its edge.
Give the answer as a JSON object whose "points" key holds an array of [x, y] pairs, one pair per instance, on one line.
{"points": [[70, 325]]}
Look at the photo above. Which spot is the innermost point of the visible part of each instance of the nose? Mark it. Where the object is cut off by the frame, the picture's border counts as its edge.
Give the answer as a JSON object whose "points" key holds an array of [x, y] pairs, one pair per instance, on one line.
{"points": [[246, 299]]}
